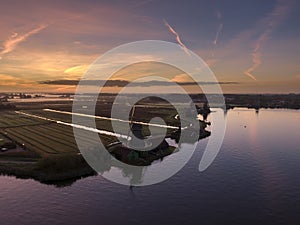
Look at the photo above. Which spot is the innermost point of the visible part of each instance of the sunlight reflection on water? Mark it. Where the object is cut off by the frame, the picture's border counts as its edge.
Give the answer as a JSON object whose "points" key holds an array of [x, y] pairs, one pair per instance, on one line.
{"points": [[254, 180]]}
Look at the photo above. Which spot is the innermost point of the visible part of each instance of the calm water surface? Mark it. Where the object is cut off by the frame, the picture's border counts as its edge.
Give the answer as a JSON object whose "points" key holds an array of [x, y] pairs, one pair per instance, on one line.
{"points": [[255, 179]]}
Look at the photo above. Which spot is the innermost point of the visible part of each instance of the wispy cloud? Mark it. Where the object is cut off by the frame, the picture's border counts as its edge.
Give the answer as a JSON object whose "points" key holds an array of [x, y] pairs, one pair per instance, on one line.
{"points": [[216, 39], [178, 39], [123, 83], [220, 27], [256, 54], [15, 39], [271, 21], [9, 80], [76, 71]]}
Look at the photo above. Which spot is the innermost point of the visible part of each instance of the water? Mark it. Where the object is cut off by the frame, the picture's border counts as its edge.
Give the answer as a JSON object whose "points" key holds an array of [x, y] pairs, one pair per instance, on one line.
{"points": [[255, 179]]}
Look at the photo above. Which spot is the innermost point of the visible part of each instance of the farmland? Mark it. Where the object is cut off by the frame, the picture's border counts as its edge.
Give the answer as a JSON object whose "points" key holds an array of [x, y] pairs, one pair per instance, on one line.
{"points": [[42, 143], [41, 138], [46, 149]]}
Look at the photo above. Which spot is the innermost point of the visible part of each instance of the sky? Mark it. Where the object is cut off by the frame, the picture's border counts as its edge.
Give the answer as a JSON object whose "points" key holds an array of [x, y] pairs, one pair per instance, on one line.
{"points": [[250, 46]]}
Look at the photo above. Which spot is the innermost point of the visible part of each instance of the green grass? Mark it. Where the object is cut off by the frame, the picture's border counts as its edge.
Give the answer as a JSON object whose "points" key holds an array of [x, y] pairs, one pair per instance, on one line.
{"points": [[12, 119], [49, 138], [3, 140], [51, 148]]}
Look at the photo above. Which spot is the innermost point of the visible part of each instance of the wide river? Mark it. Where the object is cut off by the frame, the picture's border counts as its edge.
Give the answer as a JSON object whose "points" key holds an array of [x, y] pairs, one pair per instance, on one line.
{"points": [[255, 179]]}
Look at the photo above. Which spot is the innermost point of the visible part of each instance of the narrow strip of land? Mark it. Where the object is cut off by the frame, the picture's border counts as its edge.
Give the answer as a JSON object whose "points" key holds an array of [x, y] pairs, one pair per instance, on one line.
{"points": [[77, 126], [112, 119]]}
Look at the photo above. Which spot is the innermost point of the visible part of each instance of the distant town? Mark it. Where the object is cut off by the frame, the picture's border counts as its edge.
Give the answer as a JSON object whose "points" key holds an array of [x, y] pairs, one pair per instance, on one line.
{"points": [[256, 101]]}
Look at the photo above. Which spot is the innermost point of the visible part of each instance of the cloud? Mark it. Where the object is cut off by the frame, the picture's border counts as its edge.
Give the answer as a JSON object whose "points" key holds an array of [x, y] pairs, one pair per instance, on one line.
{"points": [[270, 22], [76, 70], [178, 39], [220, 27], [181, 78], [123, 83], [76, 35], [15, 39], [110, 83], [9, 80]]}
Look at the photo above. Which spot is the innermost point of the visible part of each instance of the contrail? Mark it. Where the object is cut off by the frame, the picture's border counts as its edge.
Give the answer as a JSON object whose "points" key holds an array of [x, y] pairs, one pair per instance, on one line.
{"points": [[256, 55], [219, 16], [178, 39], [273, 19], [218, 34], [15, 39]]}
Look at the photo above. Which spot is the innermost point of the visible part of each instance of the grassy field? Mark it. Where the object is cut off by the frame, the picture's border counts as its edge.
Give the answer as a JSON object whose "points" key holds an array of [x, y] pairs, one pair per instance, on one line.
{"points": [[43, 137], [10, 119], [46, 138], [50, 150], [44, 143]]}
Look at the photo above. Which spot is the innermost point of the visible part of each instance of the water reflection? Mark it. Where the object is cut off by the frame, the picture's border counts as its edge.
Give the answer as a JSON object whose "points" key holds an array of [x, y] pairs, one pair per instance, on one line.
{"points": [[255, 129], [254, 180]]}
